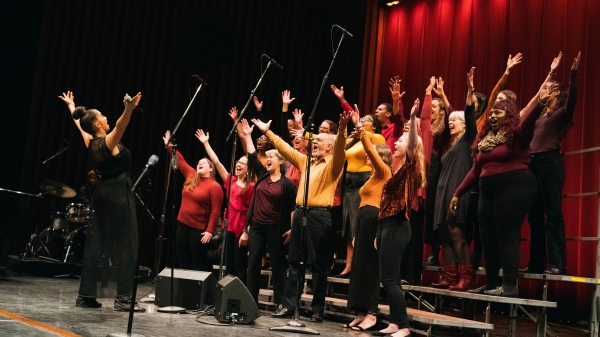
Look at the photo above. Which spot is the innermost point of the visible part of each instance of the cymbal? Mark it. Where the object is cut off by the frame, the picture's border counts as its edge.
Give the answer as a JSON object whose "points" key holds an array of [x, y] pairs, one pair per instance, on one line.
{"points": [[57, 189]]}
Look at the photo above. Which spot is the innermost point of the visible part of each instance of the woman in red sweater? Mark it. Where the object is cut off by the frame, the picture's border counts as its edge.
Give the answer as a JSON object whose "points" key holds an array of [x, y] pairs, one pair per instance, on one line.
{"points": [[201, 201], [506, 189]]}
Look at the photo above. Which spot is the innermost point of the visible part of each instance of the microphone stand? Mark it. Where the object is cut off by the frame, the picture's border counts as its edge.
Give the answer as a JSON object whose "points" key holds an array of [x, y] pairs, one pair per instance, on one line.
{"points": [[159, 242], [233, 133], [135, 279], [295, 325]]}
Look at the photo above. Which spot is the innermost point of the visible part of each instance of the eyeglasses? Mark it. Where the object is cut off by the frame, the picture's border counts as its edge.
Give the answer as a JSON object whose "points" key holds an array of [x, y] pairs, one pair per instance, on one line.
{"points": [[366, 119]]}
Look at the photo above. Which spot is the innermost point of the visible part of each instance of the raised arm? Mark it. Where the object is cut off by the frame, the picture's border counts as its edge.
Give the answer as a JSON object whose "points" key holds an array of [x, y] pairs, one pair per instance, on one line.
{"points": [[69, 100], [286, 101], [413, 136], [245, 134], [550, 77], [396, 95], [294, 157], [258, 105], [379, 166], [203, 138], [182, 165], [572, 98], [525, 128], [470, 124], [439, 91], [426, 111], [114, 137]]}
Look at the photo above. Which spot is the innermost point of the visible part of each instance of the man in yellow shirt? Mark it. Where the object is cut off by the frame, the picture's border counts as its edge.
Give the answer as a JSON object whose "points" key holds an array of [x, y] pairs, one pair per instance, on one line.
{"points": [[326, 166]]}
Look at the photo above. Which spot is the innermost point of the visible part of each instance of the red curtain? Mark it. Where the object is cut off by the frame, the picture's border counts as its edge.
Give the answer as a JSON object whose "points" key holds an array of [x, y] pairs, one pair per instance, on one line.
{"points": [[445, 38], [102, 49]]}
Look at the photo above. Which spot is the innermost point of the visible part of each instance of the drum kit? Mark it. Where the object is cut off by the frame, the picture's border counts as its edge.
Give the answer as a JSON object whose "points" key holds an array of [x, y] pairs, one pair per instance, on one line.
{"points": [[64, 238]]}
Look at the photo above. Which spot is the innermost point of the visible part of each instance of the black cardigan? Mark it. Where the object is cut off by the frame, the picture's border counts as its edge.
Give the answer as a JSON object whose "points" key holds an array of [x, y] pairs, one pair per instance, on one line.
{"points": [[288, 192]]}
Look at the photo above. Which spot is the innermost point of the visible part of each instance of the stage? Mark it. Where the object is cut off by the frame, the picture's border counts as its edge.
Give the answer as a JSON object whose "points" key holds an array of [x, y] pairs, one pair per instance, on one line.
{"points": [[45, 306]]}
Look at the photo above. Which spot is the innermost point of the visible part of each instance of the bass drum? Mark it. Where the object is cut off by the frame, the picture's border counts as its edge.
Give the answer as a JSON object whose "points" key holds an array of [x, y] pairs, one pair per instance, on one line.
{"points": [[74, 245]]}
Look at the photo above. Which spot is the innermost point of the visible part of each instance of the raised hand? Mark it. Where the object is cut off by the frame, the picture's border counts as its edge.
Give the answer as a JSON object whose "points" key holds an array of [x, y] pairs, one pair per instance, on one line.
{"points": [[298, 117], [257, 104], [576, 62], [395, 79], [513, 61], [202, 137], [339, 93], [233, 113], [439, 87], [285, 98], [555, 63], [297, 133], [395, 89], [135, 100], [246, 128], [344, 118], [262, 126], [68, 98], [545, 93], [470, 87], [167, 137], [430, 86], [415, 108]]}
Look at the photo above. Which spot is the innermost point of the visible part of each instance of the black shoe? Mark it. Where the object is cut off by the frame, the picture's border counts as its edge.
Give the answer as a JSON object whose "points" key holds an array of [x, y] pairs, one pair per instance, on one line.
{"points": [[136, 308], [87, 302], [555, 271], [317, 317], [505, 291], [346, 275], [480, 290], [283, 313]]}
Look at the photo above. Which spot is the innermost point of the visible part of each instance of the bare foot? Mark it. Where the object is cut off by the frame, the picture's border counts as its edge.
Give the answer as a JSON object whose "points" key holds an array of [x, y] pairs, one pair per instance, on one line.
{"points": [[392, 328], [368, 322], [356, 321], [401, 333]]}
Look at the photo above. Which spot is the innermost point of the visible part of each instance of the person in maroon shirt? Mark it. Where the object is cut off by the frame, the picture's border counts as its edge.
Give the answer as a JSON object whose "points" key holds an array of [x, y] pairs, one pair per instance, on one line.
{"points": [[201, 200], [506, 189], [545, 216]]}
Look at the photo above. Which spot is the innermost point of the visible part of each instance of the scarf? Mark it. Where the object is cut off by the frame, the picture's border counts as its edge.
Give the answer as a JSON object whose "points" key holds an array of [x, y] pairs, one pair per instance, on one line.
{"points": [[491, 140]]}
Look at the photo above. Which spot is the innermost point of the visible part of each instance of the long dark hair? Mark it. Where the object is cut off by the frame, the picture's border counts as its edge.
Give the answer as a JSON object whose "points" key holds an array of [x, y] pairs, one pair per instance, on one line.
{"points": [[510, 125], [561, 100], [87, 118]]}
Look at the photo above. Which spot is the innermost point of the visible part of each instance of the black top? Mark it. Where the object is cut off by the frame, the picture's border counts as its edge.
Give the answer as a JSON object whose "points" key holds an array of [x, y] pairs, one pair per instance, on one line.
{"points": [[456, 163], [104, 163], [288, 193]]}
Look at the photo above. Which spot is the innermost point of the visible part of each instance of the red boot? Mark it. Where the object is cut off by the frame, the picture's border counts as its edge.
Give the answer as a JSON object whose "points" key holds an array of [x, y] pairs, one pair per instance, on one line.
{"points": [[449, 277], [466, 278]]}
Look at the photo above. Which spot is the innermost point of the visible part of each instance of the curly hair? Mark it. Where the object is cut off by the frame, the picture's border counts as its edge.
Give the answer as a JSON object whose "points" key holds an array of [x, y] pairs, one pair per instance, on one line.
{"points": [[510, 125]]}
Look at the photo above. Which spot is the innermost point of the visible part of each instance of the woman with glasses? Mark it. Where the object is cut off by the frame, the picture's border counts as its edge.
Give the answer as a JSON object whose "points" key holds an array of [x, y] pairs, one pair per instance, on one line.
{"points": [[356, 174]]}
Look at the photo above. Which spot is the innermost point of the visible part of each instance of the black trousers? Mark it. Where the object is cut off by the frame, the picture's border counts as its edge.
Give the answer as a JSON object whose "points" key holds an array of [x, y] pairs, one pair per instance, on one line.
{"points": [[504, 200], [112, 226], [317, 240], [392, 238], [363, 291], [237, 258], [545, 216], [260, 237], [413, 254], [190, 251]]}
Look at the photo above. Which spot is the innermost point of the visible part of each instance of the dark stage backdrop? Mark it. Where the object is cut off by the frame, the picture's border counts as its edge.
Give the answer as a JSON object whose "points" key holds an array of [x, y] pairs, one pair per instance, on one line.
{"points": [[102, 50], [422, 38]]}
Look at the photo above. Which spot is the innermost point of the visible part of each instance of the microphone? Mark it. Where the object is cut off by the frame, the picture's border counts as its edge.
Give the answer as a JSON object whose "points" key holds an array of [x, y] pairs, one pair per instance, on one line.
{"points": [[151, 162], [201, 80], [273, 61], [127, 98], [343, 30]]}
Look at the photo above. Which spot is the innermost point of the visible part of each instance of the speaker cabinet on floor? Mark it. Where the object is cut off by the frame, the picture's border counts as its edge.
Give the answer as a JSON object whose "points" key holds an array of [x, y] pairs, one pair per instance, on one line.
{"points": [[233, 302], [192, 289]]}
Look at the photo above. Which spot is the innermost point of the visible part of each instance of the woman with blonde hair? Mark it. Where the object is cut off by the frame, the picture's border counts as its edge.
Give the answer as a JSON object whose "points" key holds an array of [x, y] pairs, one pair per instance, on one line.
{"points": [[201, 200]]}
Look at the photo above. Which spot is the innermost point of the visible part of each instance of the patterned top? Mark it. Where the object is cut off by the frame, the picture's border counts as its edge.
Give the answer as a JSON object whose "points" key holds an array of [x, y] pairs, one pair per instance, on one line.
{"points": [[400, 190]]}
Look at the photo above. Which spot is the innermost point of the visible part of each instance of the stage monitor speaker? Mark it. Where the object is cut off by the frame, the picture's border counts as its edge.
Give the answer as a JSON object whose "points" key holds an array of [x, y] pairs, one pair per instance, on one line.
{"points": [[233, 302], [192, 289]]}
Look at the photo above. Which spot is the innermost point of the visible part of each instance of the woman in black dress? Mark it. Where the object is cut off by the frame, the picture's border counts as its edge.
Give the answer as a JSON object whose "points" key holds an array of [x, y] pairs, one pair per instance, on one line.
{"points": [[115, 222]]}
